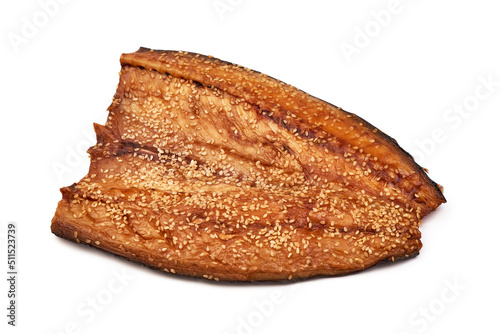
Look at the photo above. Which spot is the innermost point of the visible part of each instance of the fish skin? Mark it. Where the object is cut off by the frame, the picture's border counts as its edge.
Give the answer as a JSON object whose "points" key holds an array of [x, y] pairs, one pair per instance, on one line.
{"points": [[208, 169]]}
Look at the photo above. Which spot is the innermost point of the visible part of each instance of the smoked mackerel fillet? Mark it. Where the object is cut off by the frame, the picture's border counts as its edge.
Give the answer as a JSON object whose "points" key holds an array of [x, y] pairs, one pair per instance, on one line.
{"points": [[209, 169]]}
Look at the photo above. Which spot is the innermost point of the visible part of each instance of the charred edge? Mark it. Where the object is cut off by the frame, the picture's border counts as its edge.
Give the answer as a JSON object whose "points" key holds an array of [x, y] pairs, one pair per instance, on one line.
{"points": [[340, 149], [391, 141]]}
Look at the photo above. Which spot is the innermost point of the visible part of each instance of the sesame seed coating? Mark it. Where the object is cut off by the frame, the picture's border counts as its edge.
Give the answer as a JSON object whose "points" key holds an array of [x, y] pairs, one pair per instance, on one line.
{"points": [[208, 169]]}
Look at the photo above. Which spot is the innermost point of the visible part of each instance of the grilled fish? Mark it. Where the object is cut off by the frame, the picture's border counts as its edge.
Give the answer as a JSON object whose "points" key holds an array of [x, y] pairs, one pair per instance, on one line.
{"points": [[209, 169]]}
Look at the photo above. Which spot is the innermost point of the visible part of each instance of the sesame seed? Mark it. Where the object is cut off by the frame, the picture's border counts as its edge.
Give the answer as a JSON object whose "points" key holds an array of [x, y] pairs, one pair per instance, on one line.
{"points": [[227, 168]]}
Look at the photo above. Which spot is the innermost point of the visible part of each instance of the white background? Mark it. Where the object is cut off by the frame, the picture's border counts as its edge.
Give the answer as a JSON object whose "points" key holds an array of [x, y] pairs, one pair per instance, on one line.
{"points": [[405, 75]]}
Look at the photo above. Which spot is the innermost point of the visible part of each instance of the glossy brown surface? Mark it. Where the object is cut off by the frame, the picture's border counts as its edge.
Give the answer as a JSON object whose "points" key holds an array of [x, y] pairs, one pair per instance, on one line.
{"points": [[209, 169]]}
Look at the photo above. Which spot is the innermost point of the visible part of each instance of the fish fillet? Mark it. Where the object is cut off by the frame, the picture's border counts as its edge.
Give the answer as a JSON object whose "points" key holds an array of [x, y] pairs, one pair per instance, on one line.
{"points": [[209, 169]]}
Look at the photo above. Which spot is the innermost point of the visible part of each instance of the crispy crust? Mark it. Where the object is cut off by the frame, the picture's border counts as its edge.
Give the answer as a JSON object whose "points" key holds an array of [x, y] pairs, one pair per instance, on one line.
{"points": [[209, 169]]}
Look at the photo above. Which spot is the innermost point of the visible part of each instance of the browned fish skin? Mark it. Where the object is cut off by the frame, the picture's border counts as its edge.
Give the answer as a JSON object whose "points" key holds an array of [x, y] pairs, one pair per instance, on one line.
{"points": [[209, 169]]}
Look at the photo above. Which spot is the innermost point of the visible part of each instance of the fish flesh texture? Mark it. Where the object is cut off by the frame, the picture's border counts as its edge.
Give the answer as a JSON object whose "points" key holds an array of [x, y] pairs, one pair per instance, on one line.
{"points": [[209, 169]]}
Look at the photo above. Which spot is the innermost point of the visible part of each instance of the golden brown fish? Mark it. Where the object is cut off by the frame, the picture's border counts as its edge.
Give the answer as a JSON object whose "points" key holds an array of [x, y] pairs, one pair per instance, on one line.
{"points": [[209, 169]]}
